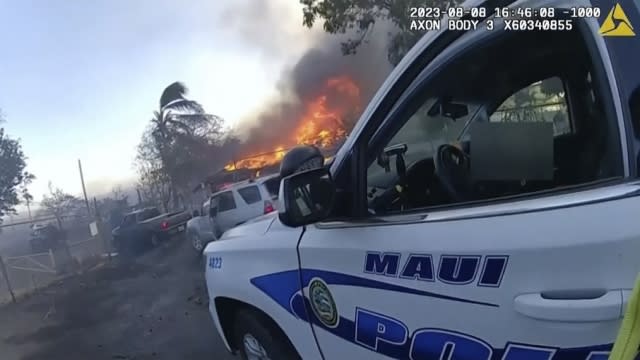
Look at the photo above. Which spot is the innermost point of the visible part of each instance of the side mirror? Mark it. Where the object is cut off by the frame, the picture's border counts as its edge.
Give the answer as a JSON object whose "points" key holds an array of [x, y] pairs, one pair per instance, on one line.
{"points": [[306, 197], [196, 213]]}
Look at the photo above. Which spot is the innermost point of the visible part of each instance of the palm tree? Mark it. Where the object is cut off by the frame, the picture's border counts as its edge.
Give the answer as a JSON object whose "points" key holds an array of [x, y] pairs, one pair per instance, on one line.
{"points": [[179, 118], [173, 100]]}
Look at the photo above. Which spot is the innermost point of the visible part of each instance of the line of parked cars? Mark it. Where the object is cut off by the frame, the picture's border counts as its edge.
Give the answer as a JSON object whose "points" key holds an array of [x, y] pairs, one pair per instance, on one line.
{"points": [[235, 204]]}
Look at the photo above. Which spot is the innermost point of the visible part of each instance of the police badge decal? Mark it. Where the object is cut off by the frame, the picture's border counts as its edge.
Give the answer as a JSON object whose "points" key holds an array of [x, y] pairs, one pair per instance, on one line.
{"points": [[322, 303]]}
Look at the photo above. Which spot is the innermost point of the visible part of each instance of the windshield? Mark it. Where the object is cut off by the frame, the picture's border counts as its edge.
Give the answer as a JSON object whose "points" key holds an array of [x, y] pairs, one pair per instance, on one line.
{"points": [[129, 220], [423, 133]]}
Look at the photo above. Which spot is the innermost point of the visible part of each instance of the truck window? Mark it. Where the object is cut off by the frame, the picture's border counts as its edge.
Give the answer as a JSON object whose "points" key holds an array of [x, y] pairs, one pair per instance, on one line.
{"points": [[155, 212], [250, 194], [148, 214], [553, 113], [226, 201], [129, 220]]}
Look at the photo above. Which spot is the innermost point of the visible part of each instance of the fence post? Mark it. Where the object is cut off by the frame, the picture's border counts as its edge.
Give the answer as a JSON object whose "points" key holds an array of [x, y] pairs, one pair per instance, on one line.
{"points": [[99, 227], [6, 278], [53, 259], [105, 239]]}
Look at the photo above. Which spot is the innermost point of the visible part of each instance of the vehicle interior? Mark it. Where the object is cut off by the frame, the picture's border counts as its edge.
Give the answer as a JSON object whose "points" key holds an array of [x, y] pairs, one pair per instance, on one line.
{"points": [[550, 127]]}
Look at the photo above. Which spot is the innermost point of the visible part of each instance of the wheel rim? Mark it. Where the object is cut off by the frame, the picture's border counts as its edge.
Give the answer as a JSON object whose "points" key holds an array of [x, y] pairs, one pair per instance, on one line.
{"points": [[197, 243], [253, 349]]}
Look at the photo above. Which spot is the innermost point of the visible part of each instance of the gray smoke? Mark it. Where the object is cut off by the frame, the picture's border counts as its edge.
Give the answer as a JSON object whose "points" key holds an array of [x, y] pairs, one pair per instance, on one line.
{"points": [[307, 78]]}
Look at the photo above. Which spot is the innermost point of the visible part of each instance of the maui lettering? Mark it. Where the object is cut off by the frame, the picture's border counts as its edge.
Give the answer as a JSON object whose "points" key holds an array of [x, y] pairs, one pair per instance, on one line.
{"points": [[450, 269], [389, 336]]}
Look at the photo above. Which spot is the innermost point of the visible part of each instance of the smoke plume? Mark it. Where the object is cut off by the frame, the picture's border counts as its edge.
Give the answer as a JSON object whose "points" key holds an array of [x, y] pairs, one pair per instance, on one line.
{"points": [[306, 78]]}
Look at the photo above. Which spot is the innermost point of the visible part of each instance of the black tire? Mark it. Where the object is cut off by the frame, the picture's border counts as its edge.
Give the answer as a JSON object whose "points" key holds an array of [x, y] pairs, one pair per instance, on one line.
{"points": [[269, 336]]}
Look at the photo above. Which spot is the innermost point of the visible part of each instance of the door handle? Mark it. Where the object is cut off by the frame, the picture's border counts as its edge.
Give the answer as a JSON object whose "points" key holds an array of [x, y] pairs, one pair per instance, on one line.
{"points": [[608, 306]]}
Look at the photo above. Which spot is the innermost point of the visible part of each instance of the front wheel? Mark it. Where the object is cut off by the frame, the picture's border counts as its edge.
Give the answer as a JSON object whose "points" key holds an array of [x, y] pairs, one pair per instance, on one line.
{"points": [[197, 243], [258, 338]]}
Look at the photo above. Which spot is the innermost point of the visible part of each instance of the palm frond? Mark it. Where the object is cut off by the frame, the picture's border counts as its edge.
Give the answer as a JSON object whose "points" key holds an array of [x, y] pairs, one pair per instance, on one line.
{"points": [[157, 117], [173, 92], [184, 105]]}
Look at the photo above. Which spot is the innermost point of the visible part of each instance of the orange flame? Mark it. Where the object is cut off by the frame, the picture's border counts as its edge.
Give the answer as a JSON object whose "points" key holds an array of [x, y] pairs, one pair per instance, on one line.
{"points": [[322, 125], [258, 161]]}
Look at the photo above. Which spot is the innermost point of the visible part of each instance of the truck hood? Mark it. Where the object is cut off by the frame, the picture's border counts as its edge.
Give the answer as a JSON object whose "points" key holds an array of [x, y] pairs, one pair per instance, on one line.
{"points": [[251, 228]]}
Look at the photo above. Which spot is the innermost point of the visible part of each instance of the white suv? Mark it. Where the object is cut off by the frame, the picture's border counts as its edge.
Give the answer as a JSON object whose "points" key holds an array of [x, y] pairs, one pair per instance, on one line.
{"points": [[244, 201], [232, 206]]}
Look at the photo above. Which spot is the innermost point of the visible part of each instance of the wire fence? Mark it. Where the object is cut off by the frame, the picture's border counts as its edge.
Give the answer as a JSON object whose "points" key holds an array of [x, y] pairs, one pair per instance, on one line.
{"points": [[30, 271]]}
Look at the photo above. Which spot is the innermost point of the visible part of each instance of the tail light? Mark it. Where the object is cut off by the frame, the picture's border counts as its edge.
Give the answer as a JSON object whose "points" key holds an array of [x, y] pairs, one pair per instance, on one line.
{"points": [[164, 225], [268, 207]]}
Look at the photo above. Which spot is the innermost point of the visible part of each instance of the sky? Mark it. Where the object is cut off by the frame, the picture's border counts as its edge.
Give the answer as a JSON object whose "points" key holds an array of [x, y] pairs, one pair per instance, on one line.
{"points": [[80, 79]]}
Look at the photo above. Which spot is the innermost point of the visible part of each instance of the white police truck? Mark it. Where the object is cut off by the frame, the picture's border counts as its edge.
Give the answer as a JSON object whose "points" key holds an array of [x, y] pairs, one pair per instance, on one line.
{"points": [[485, 206]]}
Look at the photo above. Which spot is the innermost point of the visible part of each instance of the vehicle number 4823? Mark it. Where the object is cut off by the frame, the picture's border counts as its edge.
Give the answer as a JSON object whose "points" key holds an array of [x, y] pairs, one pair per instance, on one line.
{"points": [[215, 262]]}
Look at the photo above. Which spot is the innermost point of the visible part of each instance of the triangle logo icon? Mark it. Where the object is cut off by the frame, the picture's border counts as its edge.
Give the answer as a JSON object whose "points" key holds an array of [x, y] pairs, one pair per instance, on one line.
{"points": [[616, 23]]}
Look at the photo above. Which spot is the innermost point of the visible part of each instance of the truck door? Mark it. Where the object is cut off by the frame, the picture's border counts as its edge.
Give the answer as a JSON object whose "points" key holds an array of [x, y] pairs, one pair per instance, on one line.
{"points": [[529, 256], [128, 231]]}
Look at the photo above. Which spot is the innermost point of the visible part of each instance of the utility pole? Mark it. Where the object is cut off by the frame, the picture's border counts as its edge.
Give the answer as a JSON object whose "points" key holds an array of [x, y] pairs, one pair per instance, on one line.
{"points": [[139, 197], [84, 189]]}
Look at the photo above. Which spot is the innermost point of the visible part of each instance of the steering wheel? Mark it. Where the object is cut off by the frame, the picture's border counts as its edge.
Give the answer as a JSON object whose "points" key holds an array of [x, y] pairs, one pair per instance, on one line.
{"points": [[453, 170]]}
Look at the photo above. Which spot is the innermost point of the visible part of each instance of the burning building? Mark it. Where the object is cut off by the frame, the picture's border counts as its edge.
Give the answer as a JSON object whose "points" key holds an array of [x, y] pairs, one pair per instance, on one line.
{"points": [[320, 99], [324, 122]]}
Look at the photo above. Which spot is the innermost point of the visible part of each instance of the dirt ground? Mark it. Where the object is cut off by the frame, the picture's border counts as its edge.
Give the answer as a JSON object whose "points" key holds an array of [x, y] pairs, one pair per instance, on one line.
{"points": [[152, 308]]}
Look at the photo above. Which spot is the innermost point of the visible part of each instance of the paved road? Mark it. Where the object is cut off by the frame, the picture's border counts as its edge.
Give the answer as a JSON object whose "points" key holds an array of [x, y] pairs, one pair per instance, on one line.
{"points": [[153, 308]]}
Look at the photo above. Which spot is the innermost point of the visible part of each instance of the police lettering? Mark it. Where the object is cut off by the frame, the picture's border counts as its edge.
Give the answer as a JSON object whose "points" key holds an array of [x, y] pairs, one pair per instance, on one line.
{"points": [[486, 271], [388, 336]]}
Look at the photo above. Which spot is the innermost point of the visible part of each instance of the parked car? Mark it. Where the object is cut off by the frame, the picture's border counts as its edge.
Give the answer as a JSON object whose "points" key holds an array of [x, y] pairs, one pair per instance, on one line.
{"points": [[236, 204], [147, 227], [45, 237], [244, 201], [458, 220]]}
